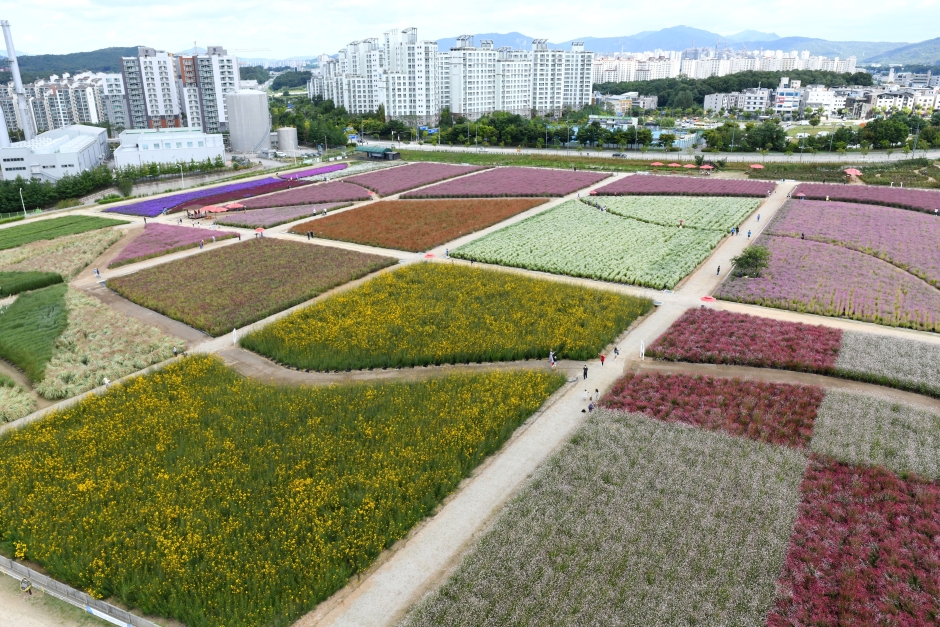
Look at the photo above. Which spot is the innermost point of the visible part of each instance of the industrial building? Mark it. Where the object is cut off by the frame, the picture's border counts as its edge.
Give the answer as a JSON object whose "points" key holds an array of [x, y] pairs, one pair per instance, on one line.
{"points": [[249, 121], [54, 154], [170, 145]]}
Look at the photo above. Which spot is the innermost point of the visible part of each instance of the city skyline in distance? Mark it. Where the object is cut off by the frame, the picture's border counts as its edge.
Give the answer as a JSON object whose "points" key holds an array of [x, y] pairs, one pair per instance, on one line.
{"points": [[279, 30]]}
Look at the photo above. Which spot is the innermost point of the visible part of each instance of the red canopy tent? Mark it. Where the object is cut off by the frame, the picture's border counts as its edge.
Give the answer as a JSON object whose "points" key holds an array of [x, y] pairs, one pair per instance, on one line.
{"points": [[234, 205], [757, 166], [853, 172], [656, 164], [706, 167], [214, 209], [675, 165], [690, 165]]}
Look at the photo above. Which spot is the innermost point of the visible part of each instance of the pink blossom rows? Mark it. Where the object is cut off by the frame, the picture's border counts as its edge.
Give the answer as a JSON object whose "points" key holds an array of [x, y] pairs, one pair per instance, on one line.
{"points": [[402, 178], [684, 186], [512, 181]]}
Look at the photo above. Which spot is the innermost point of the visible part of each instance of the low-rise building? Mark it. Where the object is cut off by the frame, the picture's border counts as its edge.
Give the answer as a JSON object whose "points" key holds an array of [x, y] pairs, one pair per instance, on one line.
{"points": [[169, 145], [623, 103], [51, 155]]}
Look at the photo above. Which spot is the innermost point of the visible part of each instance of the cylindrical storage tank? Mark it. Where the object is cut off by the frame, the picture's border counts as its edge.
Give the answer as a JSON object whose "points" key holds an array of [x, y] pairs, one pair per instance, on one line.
{"points": [[249, 120], [287, 139]]}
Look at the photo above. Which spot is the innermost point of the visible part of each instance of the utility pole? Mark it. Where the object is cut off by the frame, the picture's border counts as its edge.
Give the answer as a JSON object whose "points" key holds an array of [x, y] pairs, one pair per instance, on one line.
{"points": [[22, 203]]}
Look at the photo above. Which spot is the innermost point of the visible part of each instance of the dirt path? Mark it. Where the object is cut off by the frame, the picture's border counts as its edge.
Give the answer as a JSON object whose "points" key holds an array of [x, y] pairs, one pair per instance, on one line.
{"points": [[39, 610]]}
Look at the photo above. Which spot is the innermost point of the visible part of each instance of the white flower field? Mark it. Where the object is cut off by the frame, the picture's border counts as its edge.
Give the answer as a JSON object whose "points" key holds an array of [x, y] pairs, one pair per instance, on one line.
{"points": [[698, 212], [578, 240]]}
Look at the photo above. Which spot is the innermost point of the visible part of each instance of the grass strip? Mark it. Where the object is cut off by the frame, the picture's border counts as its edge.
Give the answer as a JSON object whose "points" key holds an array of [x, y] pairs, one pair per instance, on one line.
{"points": [[16, 282], [29, 328], [51, 229]]}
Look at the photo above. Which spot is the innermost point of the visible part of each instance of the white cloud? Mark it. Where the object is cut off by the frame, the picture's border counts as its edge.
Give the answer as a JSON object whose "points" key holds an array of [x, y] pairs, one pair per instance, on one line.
{"points": [[291, 28]]}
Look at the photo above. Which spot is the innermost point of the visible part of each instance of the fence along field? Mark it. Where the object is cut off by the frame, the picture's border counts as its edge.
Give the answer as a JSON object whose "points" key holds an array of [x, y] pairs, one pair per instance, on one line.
{"points": [[433, 313], [416, 225], [233, 286], [576, 239], [260, 501]]}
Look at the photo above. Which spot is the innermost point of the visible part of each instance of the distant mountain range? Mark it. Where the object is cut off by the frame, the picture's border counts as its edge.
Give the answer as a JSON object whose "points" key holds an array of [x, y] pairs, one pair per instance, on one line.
{"points": [[682, 37], [675, 38]]}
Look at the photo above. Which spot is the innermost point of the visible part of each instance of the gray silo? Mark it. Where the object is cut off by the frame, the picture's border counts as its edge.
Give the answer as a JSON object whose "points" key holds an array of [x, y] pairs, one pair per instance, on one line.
{"points": [[287, 139], [249, 120]]}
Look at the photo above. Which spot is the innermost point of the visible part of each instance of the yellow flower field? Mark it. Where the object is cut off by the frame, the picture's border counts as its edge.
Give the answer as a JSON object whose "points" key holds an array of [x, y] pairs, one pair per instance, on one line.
{"points": [[433, 313], [197, 494]]}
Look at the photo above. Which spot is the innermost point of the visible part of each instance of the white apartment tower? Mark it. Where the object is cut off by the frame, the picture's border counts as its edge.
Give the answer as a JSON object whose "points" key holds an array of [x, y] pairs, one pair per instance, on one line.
{"points": [[204, 79], [468, 78], [152, 94]]}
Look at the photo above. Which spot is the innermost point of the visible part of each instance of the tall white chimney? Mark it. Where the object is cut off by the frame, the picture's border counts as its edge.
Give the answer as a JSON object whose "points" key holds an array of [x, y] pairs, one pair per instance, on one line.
{"points": [[28, 129], [4, 134]]}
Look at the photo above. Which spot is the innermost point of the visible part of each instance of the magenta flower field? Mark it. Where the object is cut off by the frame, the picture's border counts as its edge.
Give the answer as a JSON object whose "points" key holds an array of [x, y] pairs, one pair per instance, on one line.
{"points": [[273, 216], [323, 169], [684, 186], [512, 181], [163, 239], [394, 180], [335, 191], [916, 199], [906, 239], [155, 206], [830, 280], [722, 337]]}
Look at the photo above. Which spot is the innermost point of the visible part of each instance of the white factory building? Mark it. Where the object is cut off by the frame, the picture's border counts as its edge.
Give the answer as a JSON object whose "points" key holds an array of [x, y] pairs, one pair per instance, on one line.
{"points": [[169, 145], [54, 154]]}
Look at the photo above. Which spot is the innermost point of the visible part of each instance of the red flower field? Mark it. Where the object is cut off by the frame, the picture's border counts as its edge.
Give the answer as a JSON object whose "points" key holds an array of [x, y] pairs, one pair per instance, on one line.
{"points": [[865, 550], [415, 225], [768, 412], [709, 336]]}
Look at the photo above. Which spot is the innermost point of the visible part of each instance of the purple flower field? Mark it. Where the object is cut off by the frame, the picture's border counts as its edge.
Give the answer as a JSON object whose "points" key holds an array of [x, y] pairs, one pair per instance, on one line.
{"points": [[154, 206], [830, 280], [511, 181], [335, 191], [324, 169], [395, 180], [904, 238], [272, 216], [916, 199], [162, 239], [684, 186]]}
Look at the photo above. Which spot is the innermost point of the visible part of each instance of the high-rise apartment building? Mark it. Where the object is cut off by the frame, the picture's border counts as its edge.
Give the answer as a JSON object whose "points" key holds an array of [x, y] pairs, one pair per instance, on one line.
{"points": [[414, 81], [152, 95], [204, 79]]}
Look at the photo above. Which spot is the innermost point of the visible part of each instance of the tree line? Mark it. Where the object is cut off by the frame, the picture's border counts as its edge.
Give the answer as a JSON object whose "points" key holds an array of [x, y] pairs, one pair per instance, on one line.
{"points": [[685, 93]]}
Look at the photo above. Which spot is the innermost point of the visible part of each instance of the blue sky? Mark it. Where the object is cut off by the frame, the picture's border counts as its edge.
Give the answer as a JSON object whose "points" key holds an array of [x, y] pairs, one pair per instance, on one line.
{"points": [[286, 28]]}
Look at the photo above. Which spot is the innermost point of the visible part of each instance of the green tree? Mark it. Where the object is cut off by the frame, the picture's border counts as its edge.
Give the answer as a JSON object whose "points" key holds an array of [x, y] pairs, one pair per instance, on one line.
{"points": [[752, 261]]}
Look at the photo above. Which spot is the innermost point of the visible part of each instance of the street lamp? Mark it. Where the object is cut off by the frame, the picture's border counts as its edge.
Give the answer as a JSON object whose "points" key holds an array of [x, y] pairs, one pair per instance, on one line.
{"points": [[22, 203], [181, 175]]}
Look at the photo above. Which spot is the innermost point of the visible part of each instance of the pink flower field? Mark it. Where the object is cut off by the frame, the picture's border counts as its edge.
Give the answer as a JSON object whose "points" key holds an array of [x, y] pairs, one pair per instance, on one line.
{"points": [[905, 198], [864, 550], [768, 412], [512, 181], [323, 169], [904, 238], [684, 186], [399, 179], [722, 337], [335, 191], [273, 216], [163, 239], [830, 280]]}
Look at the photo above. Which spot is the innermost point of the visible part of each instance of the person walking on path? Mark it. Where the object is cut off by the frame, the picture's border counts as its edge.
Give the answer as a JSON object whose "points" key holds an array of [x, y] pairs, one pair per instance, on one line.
{"points": [[603, 357], [802, 235], [616, 352], [749, 233], [239, 237], [590, 407], [201, 242], [597, 394], [719, 271], [97, 274], [145, 221], [585, 394], [758, 217], [585, 371]]}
